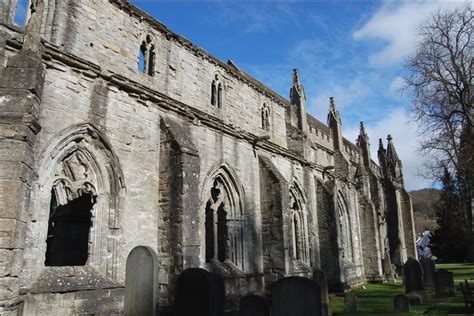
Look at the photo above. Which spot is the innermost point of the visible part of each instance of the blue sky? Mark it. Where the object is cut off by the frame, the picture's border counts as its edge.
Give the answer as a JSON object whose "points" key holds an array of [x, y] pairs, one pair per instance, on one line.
{"points": [[352, 50]]}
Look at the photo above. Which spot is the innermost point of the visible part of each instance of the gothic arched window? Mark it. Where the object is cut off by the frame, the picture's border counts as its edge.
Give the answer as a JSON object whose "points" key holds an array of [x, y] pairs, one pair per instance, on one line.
{"points": [[73, 197], [224, 221], [265, 117], [299, 231], [345, 229], [216, 92], [80, 190], [147, 55]]}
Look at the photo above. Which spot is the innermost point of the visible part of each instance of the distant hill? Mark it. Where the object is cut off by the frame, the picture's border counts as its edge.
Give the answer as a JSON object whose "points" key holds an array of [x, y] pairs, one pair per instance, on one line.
{"points": [[424, 208]]}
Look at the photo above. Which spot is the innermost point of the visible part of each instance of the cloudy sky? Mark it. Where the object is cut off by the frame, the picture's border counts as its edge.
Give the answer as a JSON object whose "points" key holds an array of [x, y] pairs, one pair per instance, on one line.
{"points": [[353, 50]]}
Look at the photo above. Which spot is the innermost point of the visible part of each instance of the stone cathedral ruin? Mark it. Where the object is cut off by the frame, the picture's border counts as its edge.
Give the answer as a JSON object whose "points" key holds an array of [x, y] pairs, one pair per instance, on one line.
{"points": [[182, 153]]}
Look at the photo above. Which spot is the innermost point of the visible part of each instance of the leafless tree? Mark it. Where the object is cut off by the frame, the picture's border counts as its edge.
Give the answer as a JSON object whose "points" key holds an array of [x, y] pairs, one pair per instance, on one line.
{"points": [[441, 79]]}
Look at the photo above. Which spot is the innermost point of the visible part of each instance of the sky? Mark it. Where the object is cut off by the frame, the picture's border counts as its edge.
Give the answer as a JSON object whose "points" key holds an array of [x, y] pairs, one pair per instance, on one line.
{"points": [[354, 51]]}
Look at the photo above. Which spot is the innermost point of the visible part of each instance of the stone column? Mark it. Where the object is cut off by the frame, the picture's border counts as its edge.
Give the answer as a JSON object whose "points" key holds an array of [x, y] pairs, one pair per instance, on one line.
{"points": [[21, 85]]}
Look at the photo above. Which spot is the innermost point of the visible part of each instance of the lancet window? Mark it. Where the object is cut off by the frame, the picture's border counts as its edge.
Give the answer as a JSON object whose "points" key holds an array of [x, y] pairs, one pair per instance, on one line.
{"points": [[298, 225], [345, 229], [216, 92], [265, 117], [147, 56], [224, 222]]}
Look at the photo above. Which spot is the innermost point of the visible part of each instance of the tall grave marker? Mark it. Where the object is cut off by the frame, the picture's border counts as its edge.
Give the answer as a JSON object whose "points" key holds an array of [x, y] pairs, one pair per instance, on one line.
{"points": [[141, 282]]}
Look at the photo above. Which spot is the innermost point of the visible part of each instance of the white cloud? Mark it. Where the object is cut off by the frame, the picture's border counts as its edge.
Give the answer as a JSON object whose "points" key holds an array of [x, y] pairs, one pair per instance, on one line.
{"points": [[406, 140], [397, 24], [396, 85], [344, 96]]}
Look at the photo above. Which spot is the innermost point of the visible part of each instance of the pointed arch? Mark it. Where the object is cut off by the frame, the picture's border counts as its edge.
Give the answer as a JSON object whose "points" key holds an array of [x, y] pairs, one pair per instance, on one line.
{"points": [[147, 56], [223, 218], [265, 115], [345, 228], [217, 90], [299, 223], [81, 181]]}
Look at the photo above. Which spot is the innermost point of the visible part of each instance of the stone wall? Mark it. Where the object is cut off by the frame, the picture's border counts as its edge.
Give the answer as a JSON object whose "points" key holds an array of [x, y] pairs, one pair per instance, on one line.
{"points": [[202, 185]]}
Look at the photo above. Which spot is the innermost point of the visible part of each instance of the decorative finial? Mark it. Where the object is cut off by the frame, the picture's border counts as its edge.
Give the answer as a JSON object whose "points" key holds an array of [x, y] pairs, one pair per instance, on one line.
{"points": [[380, 144], [332, 106], [389, 137], [296, 77], [362, 129]]}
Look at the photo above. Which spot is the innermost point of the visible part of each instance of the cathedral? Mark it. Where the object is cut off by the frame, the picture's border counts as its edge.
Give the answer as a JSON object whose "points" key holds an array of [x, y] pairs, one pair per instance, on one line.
{"points": [[117, 132]]}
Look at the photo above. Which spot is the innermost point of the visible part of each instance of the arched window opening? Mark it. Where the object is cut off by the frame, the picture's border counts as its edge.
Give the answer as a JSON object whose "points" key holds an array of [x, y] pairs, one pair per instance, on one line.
{"points": [[265, 118], [22, 13], [224, 223], [216, 92], [141, 59], [213, 93], [298, 226], [146, 58], [345, 228], [70, 220]]}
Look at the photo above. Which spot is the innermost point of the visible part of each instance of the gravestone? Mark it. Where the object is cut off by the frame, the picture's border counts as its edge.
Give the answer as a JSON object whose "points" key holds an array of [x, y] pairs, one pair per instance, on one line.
{"points": [[428, 266], [413, 276], [401, 304], [320, 278], [141, 282], [254, 305], [296, 296], [199, 293], [444, 283], [350, 302]]}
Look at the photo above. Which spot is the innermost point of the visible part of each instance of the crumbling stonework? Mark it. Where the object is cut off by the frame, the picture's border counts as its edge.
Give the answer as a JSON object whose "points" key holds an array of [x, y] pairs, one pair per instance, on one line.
{"points": [[189, 156]]}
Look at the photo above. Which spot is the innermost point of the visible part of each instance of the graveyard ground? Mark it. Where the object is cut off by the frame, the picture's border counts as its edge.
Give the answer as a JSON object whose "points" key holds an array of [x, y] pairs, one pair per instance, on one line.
{"points": [[377, 299]]}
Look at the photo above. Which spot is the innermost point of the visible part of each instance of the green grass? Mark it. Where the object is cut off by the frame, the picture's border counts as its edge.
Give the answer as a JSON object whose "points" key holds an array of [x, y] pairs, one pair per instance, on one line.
{"points": [[377, 299]]}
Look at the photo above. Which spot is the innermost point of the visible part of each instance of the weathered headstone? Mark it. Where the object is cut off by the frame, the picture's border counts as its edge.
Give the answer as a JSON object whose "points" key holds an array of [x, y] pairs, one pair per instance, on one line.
{"points": [[296, 296], [350, 302], [444, 283], [320, 278], [199, 293], [428, 266], [254, 305], [141, 282], [401, 304], [413, 276]]}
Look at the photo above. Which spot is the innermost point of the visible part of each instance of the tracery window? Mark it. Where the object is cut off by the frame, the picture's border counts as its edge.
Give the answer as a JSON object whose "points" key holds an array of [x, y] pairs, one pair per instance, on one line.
{"points": [[298, 225], [216, 92], [224, 222], [73, 197], [147, 55], [79, 201], [265, 117], [345, 228]]}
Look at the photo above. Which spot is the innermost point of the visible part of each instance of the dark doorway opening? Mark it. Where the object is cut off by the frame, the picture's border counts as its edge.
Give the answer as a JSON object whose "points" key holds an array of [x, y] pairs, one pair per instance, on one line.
{"points": [[68, 231]]}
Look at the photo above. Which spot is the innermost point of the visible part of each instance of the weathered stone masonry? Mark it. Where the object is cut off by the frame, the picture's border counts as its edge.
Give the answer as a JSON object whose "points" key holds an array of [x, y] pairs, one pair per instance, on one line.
{"points": [[116, 132]]}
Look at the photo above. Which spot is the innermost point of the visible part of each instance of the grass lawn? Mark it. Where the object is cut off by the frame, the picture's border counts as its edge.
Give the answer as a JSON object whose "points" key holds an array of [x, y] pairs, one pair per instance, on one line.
{"points": [[377, 299]]}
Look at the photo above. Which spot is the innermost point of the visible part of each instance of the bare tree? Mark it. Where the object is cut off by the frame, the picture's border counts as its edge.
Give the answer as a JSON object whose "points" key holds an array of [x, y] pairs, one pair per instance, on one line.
{"points": [[441, 79]]}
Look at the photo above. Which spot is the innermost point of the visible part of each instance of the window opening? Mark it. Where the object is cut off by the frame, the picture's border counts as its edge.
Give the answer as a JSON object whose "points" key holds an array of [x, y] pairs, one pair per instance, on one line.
{"points": [[265, 117], [216, 92], [213, 94], [147, 56], [68, 230], [299, 232], [223, 224]]}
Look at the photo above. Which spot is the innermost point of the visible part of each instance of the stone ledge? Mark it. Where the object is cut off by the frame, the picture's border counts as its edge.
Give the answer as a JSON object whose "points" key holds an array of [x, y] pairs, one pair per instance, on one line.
{"points": [[69, 279]]}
